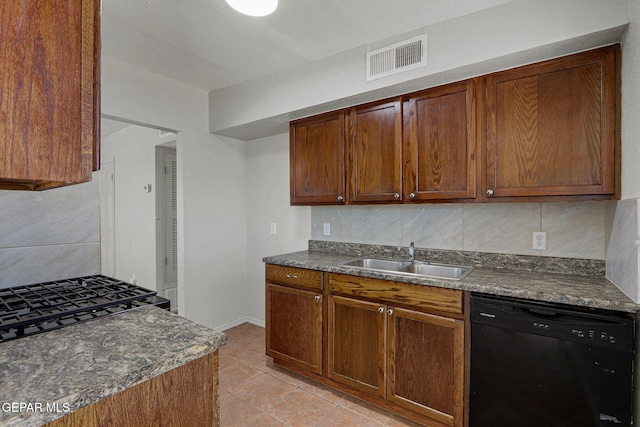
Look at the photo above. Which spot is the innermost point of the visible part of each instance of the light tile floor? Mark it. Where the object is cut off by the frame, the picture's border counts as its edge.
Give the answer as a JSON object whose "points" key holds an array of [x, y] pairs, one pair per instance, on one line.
{"points": [[255, 392]]}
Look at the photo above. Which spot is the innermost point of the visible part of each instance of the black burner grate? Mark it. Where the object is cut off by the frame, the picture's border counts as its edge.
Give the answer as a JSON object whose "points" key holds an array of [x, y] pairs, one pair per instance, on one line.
{"points": [[29, 309]]}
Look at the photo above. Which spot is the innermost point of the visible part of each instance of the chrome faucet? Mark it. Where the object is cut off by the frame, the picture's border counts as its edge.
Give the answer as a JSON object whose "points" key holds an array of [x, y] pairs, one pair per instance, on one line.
{"points": [[412, 252]]}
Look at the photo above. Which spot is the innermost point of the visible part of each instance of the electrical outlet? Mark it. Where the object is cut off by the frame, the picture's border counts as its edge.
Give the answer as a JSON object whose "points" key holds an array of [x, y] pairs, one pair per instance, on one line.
{"points": [[540, 240], [273, 228], [326, 229]]}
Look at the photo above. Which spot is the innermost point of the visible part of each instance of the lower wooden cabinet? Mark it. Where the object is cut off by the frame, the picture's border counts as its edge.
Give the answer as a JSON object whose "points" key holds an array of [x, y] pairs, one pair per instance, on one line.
{"points": [[398, 345], [413, 359], [183, 397], [294, 326], [426, 364], [357, 344]]}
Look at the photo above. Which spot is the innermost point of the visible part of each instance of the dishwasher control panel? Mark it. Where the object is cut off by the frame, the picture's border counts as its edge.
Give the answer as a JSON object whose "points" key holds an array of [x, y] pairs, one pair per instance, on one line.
{"points": [[600, 328]]}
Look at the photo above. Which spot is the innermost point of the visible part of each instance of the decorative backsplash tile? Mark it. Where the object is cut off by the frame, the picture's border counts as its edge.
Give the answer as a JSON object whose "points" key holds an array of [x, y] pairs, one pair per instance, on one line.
{"points": [[433, 226], [623, 258], [501, 228], [49, 235], [574, 229]]}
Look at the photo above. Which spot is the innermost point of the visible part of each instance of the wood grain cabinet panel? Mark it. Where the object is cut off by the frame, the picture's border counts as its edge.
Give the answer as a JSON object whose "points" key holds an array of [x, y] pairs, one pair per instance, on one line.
{"points": [[550, 127], [357, 344], [317, 160], [49, 93], [375, 152], [294, 326], [426, 364], [186, 396], [295, 277], [412, 359], [441, 145], [183, 397]]}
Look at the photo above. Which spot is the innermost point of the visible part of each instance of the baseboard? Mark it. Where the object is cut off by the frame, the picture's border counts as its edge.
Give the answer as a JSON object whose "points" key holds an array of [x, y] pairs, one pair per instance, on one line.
{"points": [[238, 322]]}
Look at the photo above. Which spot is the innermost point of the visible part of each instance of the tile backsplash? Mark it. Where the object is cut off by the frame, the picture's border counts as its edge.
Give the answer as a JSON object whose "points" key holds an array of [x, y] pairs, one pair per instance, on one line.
{"points": [[49, 235], [574, 229]]}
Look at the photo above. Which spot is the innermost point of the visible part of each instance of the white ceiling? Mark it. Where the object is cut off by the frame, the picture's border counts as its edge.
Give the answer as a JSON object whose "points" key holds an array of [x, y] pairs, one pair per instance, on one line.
{"points": [[206, 44]]}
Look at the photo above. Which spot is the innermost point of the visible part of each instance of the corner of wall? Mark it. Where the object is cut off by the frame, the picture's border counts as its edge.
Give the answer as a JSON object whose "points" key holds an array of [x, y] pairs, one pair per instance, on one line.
{"points": [[623, 257]]}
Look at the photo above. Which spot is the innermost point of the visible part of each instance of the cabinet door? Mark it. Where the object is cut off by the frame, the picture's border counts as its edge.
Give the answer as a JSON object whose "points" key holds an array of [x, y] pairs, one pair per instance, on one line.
{"points": [[49, 109], [375, 152], [357, 344], [550, 127], [441, 145], [294, 326], [317, 159], [426, 364]]}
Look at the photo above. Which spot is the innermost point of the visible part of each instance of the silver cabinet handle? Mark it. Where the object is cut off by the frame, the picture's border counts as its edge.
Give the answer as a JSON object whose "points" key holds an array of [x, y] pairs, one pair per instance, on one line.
{"points": [[489, 192], [340, 198], [317, 297], [292, 276], [390, 312], [412, 196], [396, 196], [380, 309]]}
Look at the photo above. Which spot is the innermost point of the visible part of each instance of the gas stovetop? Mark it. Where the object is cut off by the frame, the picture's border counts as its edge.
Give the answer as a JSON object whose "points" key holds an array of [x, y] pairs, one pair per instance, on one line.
{"points": [[31, 309]]}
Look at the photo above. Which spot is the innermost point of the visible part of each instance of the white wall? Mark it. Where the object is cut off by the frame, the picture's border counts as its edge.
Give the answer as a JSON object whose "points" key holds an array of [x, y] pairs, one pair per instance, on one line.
{"points": [[268, 202], [211, 188], [623, 256], [511, 34], [631, 105], [133, 149]]}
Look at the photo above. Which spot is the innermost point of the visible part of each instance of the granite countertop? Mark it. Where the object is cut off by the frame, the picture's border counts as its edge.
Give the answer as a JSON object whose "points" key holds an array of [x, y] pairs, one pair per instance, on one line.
{"points": [[541, 280], [75, 366]]}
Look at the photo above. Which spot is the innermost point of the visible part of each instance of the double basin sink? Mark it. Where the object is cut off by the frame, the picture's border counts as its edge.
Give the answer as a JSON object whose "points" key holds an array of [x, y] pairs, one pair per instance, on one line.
{"points": [[416, 268]]}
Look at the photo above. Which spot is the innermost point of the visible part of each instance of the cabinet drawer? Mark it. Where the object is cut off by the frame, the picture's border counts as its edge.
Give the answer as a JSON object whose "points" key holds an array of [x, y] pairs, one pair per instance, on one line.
{"points": [[292, 276], [417, 296]]}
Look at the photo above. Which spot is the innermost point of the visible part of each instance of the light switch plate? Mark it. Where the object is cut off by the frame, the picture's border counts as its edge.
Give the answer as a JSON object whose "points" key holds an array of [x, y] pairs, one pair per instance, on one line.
{"points": [[274, 228], [326, 229]]}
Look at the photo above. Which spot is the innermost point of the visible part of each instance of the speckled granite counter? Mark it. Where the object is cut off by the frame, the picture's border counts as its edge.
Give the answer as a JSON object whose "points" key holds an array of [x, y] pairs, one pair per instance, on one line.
{"points": [[566, 281], [78, 365]]}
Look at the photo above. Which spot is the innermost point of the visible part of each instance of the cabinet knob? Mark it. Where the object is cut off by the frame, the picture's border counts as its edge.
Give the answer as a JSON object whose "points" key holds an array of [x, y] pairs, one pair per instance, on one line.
{"points": [[489, 192], [317, 297], [292, 276], [412, 196], [396, 196], [390, 312], [380, 309], [340, 198]]}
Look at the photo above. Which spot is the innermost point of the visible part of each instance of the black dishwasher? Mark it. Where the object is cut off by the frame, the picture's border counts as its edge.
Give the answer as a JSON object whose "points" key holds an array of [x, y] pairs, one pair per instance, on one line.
{"points": [[546, 365]]}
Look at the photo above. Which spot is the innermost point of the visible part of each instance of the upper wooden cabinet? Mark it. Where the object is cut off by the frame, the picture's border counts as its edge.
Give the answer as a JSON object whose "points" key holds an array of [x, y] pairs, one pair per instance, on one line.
{"points": [[375, 152], [49, 93], [551, 128], [441, 145], [317, 153], [546, 131]]}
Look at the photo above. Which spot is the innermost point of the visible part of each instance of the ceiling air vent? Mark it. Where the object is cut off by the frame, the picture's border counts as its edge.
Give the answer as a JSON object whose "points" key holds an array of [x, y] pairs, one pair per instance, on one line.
{"points": [[398, 57]]}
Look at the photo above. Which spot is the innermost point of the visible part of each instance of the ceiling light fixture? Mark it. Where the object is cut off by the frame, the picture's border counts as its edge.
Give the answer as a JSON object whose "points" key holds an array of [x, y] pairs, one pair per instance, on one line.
{"points": [[254, 7]]}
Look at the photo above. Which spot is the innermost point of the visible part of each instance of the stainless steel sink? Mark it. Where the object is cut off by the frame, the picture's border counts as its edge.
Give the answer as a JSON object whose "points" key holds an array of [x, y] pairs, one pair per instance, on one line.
{"points": [[377, 264], [417, 268], [442, 271]]}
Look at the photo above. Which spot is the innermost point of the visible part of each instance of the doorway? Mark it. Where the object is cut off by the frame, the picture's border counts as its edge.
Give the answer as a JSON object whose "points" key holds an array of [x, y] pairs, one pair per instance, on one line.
{"points": [[139, 206]]}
